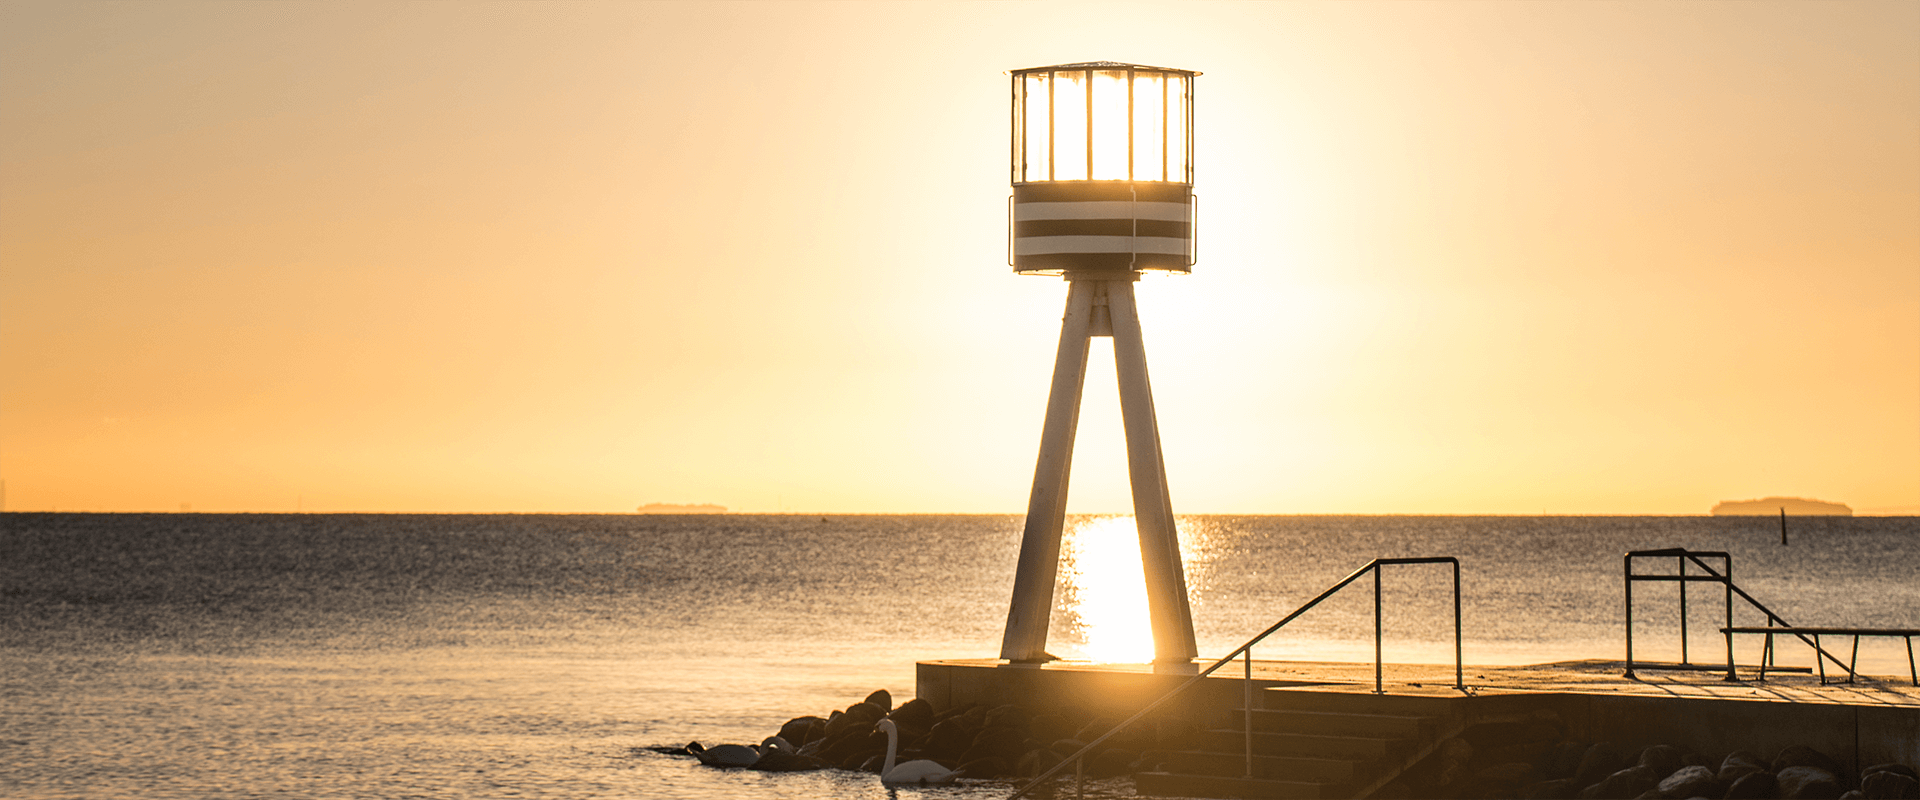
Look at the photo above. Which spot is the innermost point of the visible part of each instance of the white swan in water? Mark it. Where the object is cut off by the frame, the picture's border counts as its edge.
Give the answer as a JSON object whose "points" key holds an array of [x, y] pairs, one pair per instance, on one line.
{"points": [[724, 755], [917, 771], [779, 755]]}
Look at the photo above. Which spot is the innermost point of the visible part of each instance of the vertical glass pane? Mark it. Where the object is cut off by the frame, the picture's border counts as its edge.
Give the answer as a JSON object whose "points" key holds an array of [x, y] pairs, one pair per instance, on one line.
{"points": [[1109, 129], [1070, 126], [1149, 123], [1179, 129], [1035, 151], [1020, 129]]}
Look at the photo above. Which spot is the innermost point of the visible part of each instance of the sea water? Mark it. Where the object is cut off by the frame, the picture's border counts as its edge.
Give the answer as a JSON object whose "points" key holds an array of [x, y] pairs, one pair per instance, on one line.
{"points": [[383, 656]]}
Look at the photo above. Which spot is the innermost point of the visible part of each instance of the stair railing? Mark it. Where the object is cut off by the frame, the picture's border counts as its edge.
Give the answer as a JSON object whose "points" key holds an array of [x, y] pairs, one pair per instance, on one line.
{"points": [[1682, 557], [1245, 652]]}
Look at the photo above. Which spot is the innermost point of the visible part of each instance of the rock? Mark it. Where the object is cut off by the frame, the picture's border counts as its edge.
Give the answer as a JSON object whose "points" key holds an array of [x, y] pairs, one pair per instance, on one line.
{"points": [[1565, 759], [1500, 780], [1662, 759], [1009, 717], [915, 713], [954, 712], [1808, 783], [1600, 760], [778, 760], [1738, 764], [1887, 784], [1802, 756], [987, 768], [1066, 747], [1512, 772], [880, 699], [1694, 781], [1093, 730], [1152, 761], [1630, 782], [1854, 795], [837, 723], [1048, 727], [949, 738], [864, 713], [1111, 763], [801, 730], [1006, 743], [854, 747], [872, 763], [1899, 768], [1036, 762], [1539, 754], [1557, 789], [1754, 786], [1450, 773]]}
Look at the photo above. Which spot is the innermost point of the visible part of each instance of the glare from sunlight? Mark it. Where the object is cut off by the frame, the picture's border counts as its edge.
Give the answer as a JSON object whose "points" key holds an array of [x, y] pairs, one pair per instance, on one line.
{"points": [[1105, 591]]}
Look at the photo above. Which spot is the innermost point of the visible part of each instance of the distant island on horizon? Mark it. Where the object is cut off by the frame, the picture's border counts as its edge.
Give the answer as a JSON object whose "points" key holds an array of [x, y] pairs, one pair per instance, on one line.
{"points": [[1769, 506], [675, 508]]}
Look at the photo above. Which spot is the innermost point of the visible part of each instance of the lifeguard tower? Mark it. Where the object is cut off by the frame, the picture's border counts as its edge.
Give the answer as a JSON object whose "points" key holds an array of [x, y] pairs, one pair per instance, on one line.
{"points": [[1102, 192]]}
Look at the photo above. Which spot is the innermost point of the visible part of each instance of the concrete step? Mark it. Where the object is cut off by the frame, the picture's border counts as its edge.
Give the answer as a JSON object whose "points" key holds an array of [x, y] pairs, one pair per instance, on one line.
{"points": [[1360, 702], [1290, 768], [1167, 784], [1357, 748], [1402, 726]]}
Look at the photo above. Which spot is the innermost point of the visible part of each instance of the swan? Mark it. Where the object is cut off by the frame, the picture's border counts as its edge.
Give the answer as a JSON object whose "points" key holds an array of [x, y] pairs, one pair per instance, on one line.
{"points": [[918, 771], [724, 755], [779, 755]]}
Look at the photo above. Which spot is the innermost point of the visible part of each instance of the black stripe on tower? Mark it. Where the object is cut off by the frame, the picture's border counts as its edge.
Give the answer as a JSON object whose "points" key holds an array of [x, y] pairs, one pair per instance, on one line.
{"points": [[1092, 262], [1101, 227]]}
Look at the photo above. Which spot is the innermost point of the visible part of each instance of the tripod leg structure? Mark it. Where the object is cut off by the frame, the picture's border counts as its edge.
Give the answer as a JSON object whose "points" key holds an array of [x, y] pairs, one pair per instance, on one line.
{"points": [[1169, 612]]}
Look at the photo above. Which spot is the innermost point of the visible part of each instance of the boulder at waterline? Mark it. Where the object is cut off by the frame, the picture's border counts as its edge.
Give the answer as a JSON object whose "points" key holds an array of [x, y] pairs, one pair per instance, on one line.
{"points": [[1663, 759], [1691, 781], [1556, 789], [1754, 786], [916, 713], [1887, 784], [1628, 783], [1601, 759], [1808, 783], [1797, 755], [1738, 764]]}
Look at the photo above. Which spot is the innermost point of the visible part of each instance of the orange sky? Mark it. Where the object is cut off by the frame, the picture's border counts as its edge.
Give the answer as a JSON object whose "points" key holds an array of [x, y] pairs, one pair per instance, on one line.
{"points": [[1454, 258]]}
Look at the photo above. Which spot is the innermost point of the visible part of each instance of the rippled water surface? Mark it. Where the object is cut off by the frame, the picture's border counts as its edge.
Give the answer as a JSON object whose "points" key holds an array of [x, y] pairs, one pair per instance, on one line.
{"points": [[527, 656]]}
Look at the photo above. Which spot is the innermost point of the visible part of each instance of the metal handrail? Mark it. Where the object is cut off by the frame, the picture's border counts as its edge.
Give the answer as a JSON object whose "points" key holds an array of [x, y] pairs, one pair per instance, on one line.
{"points": [[1682, 557], [1913, 674], [1246, 650]]}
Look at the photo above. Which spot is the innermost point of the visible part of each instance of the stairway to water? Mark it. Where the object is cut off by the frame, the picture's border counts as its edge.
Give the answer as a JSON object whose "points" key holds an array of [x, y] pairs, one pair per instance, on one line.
{"points": [[1310, 745]]}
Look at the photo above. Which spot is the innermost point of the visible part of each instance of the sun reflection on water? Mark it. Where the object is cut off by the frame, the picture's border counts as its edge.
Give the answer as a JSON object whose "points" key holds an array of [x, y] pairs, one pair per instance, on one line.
{"points": [[1105, 591]]}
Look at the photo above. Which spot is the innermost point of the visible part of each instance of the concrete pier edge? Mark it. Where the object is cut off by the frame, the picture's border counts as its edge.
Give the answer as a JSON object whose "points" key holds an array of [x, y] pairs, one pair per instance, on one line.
{"points": [[1871, 722]]}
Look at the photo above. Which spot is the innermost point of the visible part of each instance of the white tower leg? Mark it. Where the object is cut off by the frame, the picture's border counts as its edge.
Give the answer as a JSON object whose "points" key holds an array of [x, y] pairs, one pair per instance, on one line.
{"points": [[1033, 582], [1167, 604]]}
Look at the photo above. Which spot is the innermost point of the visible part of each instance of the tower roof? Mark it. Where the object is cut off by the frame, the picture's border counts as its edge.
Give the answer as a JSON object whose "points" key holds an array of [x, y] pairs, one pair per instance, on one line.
{"points": [[1102, 65]]}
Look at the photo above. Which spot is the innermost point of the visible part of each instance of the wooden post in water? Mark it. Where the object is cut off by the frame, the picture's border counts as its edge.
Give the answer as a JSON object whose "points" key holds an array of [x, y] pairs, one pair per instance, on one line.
{"points": [[1783, 526]]}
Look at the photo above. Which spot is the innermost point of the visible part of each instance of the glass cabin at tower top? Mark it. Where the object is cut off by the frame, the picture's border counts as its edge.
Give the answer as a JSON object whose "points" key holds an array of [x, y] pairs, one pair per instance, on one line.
{"points": [[1103, 121]]}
